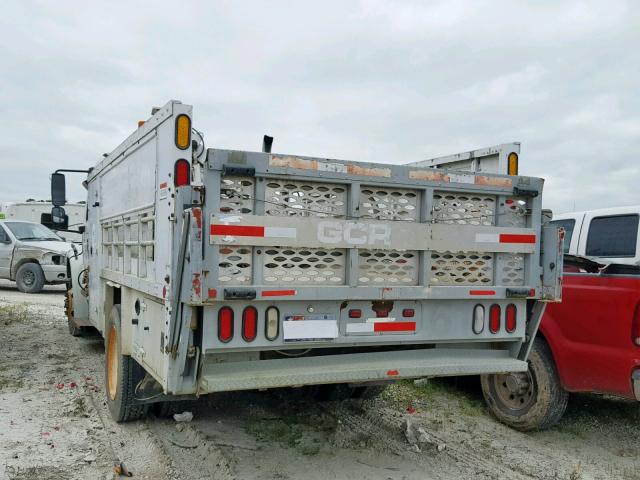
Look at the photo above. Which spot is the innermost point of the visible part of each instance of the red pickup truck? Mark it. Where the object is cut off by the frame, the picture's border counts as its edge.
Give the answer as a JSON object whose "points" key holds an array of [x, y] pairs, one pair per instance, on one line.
{"points": [[588, 343]]}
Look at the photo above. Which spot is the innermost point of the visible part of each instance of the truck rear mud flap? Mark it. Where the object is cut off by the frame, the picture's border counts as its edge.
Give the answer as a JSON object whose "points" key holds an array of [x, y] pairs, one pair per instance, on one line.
{"points": [[354, 368]]}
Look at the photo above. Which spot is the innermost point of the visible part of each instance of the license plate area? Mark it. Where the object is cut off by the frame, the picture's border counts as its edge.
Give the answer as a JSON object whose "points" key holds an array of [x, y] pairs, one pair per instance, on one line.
{"points": [[310, 328]]}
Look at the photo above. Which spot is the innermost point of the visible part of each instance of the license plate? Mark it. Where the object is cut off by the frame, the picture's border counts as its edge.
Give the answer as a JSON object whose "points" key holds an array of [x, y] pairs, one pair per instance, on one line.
{"points": [[309, 328]]}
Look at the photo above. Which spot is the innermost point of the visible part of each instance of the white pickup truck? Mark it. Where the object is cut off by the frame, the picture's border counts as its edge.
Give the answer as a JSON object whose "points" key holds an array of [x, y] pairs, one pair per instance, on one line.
{"points": [[31, 255]]}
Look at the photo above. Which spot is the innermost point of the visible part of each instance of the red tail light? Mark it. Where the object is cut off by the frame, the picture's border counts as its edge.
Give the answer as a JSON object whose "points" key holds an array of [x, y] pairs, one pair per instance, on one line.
{"points": [[182, 173], [225, 324], [408, 312], [249, 324], [494, 318], [635, 327], [355, 313], [510, 318]]}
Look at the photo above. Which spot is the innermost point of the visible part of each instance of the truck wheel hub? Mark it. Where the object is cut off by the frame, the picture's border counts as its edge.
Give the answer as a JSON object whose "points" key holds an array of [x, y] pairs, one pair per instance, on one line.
{"points": [[516, 391], [517, 383], [112, 363], [28, 278]]}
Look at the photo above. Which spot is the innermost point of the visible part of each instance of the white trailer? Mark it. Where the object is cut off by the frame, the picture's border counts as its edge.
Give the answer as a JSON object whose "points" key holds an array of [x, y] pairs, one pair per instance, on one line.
{"points": [[32, 211], [210, 270]]}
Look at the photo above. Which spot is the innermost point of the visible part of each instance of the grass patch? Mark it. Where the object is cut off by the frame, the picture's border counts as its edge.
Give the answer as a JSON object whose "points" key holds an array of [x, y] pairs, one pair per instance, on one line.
{"points": [[13, 314], [301, 431], [11, 383], [445, 393]]}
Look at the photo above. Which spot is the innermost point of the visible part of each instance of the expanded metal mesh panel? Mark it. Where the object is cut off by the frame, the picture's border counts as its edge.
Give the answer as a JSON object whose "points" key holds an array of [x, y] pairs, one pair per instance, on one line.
{"points": [[510, 269], [305, 199], [304, 266], [461, 268], [388, 204], [234, 265], [387, 267], [236, 195], [460, 209], [513, 213]]}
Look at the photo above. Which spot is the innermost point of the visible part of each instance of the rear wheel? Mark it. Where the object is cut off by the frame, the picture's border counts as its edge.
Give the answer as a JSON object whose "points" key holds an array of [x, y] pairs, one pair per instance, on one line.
{"points": [[530, 400], [122, 374], [30, 278], [74, 330]]}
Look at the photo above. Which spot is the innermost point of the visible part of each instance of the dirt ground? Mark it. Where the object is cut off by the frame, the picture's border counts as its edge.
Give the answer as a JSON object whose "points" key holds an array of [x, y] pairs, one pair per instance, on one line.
{"points": [[54, 424]]}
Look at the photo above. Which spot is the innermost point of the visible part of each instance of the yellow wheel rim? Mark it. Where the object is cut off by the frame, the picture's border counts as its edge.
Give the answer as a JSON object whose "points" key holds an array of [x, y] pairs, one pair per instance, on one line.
{"points": [[112, 363]]}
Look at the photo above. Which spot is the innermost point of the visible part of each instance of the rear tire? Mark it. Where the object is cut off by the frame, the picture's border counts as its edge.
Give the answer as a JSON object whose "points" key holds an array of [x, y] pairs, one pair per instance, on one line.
{"points": [[531, 400], [74, 330], [122, 374], [30, 278]]}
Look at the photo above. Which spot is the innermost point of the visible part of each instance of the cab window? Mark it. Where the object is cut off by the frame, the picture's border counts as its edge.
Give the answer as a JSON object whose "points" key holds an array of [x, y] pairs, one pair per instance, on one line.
{"points": [[4, 238], [568, 225], [613, 236]]}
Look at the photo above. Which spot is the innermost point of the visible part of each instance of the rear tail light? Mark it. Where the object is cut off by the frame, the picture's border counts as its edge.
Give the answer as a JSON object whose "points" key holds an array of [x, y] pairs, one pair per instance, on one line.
{"points": [[249, 324], [272, 323], [510, 318], [635, 327], [494, 318], [182, 173], [512, 163], [225, 324], [355, 313], [408, 312], [478, 319], [183, 131]]}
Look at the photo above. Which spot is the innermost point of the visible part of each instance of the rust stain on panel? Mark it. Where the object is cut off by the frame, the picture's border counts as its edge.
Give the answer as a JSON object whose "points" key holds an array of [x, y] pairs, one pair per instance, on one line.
{"points": [[196, 285], [493, 181], [292, 162], [432, 176], [368, 172], [349, 168]]}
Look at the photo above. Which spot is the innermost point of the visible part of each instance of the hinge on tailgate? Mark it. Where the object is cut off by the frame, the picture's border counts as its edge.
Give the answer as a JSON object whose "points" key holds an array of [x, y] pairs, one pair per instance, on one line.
{"points": [[524, 192], [519, 292], [240, 171], [239, 294]]}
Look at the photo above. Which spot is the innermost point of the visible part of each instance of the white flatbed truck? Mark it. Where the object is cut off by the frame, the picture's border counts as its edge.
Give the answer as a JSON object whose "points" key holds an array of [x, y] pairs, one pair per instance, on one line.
{"points": [[211, 270]]}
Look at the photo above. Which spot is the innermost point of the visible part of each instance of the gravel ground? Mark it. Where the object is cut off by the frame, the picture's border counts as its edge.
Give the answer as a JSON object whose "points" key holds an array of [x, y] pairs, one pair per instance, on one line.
{"points": [[54, 424]]}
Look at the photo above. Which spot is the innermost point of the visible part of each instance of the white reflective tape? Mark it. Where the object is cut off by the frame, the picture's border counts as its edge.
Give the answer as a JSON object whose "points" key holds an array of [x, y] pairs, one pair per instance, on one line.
{"points": [[309, 329], [230, 218], [382, 319], [487, 238], [280, 232], [359, 327]]}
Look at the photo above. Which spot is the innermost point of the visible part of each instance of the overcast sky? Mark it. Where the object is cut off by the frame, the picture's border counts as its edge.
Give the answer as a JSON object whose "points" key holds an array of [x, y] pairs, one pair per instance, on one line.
{"points": [[380, 81]]}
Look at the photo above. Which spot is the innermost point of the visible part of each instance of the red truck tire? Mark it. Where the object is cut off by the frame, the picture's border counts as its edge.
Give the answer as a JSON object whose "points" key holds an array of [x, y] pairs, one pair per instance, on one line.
{"points": [[533, 400]]}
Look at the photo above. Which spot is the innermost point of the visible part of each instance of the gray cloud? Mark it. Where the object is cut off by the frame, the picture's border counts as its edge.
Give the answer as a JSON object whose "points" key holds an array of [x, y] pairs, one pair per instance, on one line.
{"points": [[379, 80]]}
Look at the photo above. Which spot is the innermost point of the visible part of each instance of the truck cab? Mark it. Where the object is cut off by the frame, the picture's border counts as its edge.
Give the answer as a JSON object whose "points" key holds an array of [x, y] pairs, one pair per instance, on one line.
{"points": [[608, 235], [32, 255]]}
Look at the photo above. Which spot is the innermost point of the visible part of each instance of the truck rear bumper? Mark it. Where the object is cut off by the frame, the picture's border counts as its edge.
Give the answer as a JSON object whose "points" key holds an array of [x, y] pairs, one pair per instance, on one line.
{"points": [[635, 383], [54, 273], [354, 368]]}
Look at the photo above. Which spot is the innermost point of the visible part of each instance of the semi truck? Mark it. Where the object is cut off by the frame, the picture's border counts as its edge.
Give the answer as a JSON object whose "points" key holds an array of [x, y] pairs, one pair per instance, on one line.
{"points": [[210, 270]]}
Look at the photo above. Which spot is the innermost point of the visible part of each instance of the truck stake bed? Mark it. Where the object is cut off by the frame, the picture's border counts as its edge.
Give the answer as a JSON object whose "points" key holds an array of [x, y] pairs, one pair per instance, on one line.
{"points": [[216, 270]]}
